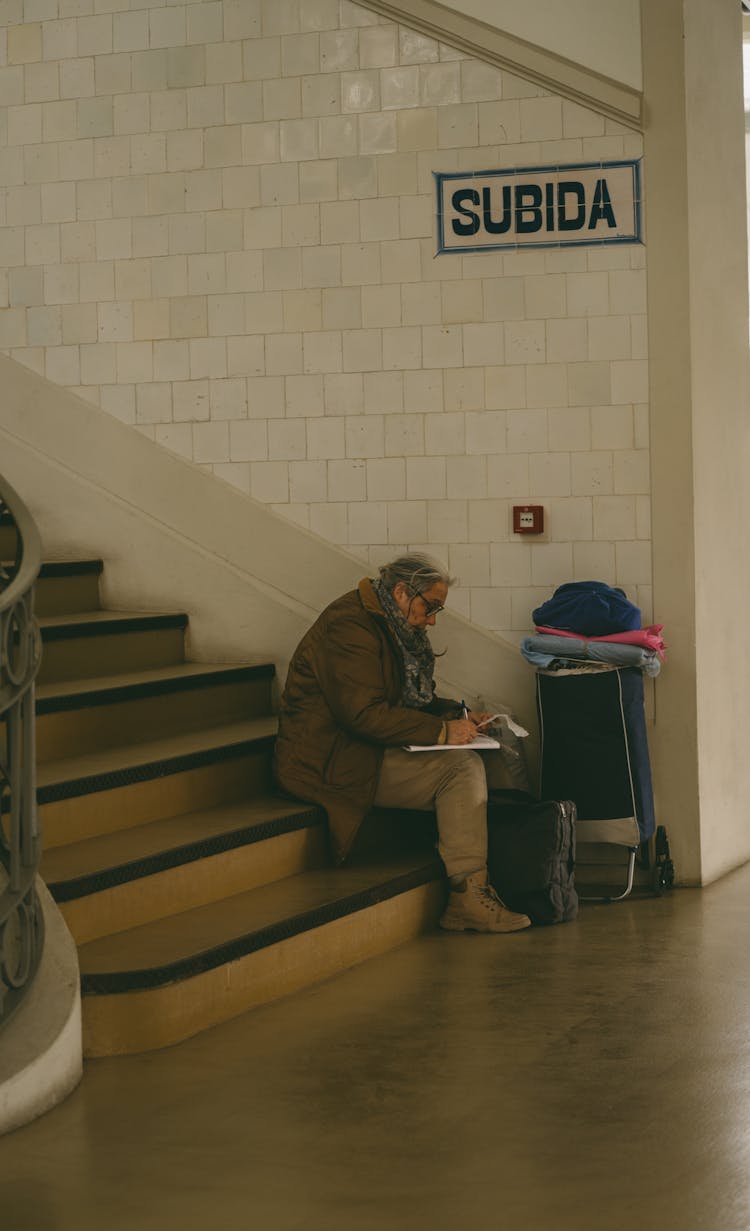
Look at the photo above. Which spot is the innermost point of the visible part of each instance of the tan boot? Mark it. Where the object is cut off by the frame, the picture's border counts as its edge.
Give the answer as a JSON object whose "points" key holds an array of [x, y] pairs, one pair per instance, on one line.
{"points": [[473, 906]]}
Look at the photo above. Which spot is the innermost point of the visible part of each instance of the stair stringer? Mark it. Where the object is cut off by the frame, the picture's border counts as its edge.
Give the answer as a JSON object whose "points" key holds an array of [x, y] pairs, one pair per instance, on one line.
{"points": [[491, 42], [177, 538]]}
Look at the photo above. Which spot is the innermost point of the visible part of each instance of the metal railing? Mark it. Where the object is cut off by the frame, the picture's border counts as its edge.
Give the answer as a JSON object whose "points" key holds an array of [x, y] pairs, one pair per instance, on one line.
{"points": [[21, 920]]}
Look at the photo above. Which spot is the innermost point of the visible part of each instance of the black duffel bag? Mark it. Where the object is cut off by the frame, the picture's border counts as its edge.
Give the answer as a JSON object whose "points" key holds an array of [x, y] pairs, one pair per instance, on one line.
{"points": [[532, 855]]}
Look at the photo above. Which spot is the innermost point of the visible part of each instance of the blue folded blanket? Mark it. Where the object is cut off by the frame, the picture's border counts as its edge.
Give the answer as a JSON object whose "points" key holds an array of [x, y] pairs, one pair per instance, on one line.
{"points": [[543, 649]]}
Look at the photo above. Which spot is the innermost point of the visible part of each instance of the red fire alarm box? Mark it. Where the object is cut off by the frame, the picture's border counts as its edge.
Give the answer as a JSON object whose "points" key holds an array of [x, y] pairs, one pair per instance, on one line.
{"points": [[528, 519]]}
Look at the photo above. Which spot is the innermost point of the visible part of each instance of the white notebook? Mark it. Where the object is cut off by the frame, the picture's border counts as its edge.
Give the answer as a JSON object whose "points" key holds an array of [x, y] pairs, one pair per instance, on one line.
{"points": [[479, 741]]}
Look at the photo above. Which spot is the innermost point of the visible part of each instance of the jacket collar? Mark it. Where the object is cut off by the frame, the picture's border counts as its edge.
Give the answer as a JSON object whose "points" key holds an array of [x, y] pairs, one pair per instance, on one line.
{"points": [[369, 598]]}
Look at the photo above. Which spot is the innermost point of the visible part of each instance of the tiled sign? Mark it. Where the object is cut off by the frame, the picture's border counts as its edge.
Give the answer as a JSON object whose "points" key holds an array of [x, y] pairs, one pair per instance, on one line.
{"points": [[539, 207]]}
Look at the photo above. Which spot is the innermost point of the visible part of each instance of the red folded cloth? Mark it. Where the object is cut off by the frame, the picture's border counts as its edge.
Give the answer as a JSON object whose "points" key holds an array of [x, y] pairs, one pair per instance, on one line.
{"points": [[649, 638]]}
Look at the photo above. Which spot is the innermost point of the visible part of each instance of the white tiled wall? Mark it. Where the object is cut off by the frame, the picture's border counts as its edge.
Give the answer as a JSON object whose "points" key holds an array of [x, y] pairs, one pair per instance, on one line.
{"points": [[217, 221]]}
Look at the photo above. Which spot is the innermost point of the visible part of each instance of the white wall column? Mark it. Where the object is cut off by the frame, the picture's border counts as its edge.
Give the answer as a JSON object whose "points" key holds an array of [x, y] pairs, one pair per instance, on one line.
{"points": [[700, 430]]}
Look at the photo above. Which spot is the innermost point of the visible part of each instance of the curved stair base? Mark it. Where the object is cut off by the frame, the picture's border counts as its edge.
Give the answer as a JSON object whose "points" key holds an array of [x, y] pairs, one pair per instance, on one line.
{"points": [[41, 1058]]}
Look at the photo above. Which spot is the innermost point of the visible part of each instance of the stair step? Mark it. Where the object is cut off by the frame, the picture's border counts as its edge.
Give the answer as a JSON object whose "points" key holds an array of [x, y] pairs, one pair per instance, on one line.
{"points": [[154, 985], [62, 587], [180, 946], [120, 788], [96, 770], [91, 643], [83, 868], [66, 586], [90, 714], [121, 880], [7, 537]]}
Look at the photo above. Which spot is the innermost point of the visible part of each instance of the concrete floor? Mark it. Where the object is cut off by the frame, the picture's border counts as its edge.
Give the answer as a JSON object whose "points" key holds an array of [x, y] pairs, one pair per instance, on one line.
{"points": [[594, 1075]]}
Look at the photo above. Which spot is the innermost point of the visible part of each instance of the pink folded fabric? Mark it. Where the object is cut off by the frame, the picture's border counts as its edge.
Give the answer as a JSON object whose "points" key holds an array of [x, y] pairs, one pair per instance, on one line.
{"points": [[649, 638]]}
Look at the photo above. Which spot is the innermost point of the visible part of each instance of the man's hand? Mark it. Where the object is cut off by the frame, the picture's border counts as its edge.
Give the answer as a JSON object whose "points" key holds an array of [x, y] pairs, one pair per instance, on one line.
{"points": [[460, 731], [479, 719]]}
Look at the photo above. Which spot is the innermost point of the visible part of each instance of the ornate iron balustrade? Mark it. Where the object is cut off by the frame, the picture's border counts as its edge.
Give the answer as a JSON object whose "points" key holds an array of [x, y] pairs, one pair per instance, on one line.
{"points": [[21, 920]]}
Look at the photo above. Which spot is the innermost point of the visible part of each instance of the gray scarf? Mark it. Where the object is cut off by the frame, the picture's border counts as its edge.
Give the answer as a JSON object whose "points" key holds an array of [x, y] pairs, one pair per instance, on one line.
{"points": [[416, 651]]}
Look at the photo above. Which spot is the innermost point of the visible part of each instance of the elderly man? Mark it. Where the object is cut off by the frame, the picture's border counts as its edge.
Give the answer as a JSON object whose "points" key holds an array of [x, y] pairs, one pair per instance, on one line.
{"points": [[360, 686]]}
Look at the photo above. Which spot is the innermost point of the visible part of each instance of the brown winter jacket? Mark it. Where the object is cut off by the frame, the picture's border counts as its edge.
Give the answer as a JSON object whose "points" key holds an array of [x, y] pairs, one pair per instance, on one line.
{"points": [[340, 710]]}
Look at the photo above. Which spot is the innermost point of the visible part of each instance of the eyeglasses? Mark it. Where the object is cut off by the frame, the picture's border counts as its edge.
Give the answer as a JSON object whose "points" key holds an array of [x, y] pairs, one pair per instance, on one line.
{"points": [[430, 609]]}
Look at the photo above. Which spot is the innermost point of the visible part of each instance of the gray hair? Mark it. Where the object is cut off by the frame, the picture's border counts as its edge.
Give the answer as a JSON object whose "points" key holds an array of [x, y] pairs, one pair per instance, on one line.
{"points": [[417, 571]]}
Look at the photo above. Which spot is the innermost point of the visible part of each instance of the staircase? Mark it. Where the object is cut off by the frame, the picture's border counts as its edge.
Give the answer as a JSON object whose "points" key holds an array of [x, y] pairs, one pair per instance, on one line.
{"points": [[193, 890]]}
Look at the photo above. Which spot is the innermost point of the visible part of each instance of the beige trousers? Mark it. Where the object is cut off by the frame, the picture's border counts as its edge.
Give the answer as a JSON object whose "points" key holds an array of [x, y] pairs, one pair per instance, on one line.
{"points": [[454, 783]]}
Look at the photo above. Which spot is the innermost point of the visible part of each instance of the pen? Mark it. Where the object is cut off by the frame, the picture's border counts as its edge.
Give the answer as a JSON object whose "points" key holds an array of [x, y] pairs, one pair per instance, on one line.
{"points": [[464, 709]]}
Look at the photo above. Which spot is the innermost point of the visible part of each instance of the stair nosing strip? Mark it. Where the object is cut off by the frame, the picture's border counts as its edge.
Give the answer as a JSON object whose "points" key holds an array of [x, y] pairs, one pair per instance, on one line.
{"points": [[122, 982], [163, 767], [153, 688], [70, 568], [190, 852], [104, 628]]}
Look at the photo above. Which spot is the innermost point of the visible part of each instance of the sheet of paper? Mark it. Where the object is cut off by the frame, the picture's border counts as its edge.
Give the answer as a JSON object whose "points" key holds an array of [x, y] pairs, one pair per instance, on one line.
{"points": [[480, 741], [515, 727]]}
